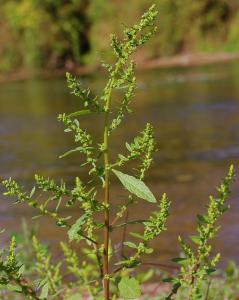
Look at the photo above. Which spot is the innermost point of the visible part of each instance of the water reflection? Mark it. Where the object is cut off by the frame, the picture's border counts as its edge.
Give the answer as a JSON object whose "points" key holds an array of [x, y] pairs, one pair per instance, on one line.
{"points": [[195, 112]]}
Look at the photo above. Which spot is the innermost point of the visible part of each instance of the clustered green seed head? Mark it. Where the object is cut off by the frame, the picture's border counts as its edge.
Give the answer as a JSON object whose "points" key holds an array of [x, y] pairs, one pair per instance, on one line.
{"points": [[13, 189], [76, 88], [156, 223], [81, 136], [143, 147], [197, 265]]}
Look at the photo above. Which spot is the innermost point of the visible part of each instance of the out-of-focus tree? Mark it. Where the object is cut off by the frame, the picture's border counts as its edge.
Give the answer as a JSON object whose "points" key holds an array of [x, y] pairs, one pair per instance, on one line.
{"points": [[187, 25], [55, 33], [43, 33]]}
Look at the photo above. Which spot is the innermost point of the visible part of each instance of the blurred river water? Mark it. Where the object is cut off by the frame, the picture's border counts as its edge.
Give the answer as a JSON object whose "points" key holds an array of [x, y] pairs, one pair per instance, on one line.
{"points": [[195, 112]]}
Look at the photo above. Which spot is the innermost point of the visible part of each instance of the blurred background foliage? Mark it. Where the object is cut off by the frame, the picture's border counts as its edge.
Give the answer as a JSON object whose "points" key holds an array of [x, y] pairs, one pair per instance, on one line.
{"points": [[50, 34], [42, 33]]}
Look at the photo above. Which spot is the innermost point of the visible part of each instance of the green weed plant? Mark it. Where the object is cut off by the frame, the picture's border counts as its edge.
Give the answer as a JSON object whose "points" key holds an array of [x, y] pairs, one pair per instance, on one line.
{"points": [[99, 276]]}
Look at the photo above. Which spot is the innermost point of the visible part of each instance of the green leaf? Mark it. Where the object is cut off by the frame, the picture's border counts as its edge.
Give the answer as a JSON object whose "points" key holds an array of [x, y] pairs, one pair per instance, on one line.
{"points": [[70, 152], [131, 245], [129, 288], [131, 222], [14, 288], [180, 260], [149, 250], [80, 113], [32, 192], [38, 283], [75, 228], [121, 262], [196, 239], [202, 219], [127, 263], [128, 147], [209, 271], [168, 279], [137, 235], [21, 270], [135, 186], [44, 291]]}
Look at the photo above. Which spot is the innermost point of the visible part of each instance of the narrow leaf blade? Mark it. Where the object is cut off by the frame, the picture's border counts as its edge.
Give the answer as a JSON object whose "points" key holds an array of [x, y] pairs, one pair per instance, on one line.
{"points": [[135, 186]]}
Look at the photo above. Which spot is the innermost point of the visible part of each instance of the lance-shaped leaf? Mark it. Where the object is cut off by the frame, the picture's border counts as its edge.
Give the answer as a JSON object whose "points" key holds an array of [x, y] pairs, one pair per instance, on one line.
{"points": [[130, 245], [131, 222], [135, 186], [80, 113], [75, 150]]}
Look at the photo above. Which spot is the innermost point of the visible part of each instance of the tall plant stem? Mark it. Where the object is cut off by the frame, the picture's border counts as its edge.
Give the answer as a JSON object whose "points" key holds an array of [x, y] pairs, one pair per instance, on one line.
{"points": [[107, 196], [107, 185], [106, 217]]}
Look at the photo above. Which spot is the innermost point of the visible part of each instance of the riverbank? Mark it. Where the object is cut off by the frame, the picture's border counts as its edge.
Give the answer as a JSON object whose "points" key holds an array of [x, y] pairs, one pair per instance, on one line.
{"points": [[182, 60], [189, 59]]}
